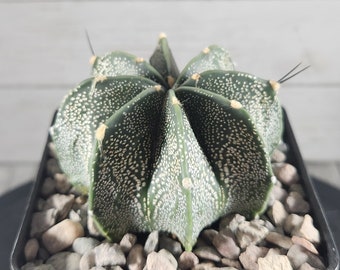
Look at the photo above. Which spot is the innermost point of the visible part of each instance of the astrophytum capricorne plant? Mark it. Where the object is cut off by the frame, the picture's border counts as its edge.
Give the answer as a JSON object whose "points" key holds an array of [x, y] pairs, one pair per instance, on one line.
{"points": [[156, 149]]}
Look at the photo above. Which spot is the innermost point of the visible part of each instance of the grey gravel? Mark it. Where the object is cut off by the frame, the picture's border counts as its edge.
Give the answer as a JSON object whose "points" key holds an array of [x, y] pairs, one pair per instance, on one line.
{"points": [[152, 242], [41, 221], [82, 245], [65, 260], [31, 249]]}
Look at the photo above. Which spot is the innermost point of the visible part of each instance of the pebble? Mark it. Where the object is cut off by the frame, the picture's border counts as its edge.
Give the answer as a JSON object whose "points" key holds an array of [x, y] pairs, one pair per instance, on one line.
{"points": [[231, 263], [295, 203], [52, 167], [209, 234], [307, 230], [279, 240], [277, 213], [31, 249], [43, 220], [292, 222], [160, 261], [127, 242], [226, 246], [250, 233], [274, 262], [286, 173], [204, 266], [307, 266], [64, 260], [171, 245], [151, 243], [82, 245], [136, 259], [235, 222], [35, 266], [207, 253], [62, 235], [277, 194], [278, 156], [43, 254], [88, 260], [48, 187], [298, 255], [305, 243], [187, 260], [62, 183], [63, 203], [298, 188], [109, 254], [249, 257]]}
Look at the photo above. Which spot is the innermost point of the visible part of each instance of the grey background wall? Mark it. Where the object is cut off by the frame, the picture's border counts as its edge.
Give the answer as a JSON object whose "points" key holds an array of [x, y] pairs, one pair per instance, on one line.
{"points": [[44, 53]]}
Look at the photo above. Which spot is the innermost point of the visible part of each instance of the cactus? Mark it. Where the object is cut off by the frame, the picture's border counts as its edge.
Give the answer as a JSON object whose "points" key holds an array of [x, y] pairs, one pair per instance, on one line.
{"points": [[156, 149]]}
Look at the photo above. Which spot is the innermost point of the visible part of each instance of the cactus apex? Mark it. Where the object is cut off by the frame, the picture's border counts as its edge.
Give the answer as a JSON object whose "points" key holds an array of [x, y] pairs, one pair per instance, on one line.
{"points": [[275, 85], [235, 104], [162, 35], [170, 80]]}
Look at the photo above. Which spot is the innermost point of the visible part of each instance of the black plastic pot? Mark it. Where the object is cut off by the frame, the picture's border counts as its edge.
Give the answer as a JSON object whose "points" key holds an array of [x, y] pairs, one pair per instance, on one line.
{"points": [[328, 250]]}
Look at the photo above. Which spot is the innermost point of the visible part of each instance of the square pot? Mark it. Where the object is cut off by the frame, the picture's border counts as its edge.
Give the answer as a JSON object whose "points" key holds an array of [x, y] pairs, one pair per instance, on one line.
{"points": [[327, 248]]}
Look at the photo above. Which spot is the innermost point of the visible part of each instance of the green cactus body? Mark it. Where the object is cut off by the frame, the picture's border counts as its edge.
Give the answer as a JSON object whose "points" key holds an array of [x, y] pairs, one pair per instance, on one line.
{"points": [[161, 150]]}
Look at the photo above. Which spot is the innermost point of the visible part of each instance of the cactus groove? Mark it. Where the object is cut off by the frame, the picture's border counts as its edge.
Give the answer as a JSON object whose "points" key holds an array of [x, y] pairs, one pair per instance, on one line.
{"points": [[156, 149]]}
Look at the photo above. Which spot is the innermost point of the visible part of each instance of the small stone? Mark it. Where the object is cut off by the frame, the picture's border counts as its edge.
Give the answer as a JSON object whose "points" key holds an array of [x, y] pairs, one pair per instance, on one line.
{"points": [[286, 173], [52, 150], [204, 266], [62, 235], [249, 257], [292, 222], [35, 266], [307, 266], [208, 253], [48, 187], [52, 167], [43, 254], [136, 259], [82, 245], [299, 189], [151, 243], [167, 254], [127, 242], [277, 213], [277, 194], [40, 204], [41, 221], [231, 263], [305, 243], [296, 204], [187, 260], [279, 240], [171, 245], [88, 260], [307, 230], [97, 268], [109, 254], [31, 249], [226, 246], [62, 183], [298, 255], [250, 233], [158, 261], [73, 215], [208, 235], [278, 156], [63, 203], [235, 222], [274, 262], [65, 260]]}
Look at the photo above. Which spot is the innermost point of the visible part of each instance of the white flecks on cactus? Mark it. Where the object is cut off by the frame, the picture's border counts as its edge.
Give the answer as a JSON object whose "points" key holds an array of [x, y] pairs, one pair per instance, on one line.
{"points": [[156, 149]]}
